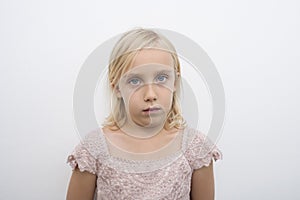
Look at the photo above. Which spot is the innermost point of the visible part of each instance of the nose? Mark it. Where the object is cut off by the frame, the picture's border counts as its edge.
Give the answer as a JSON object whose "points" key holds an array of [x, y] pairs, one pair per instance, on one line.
{"points": [[150, 94]]}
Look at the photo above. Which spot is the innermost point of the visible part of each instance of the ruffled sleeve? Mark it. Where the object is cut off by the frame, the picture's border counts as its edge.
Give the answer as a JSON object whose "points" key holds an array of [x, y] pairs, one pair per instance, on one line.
{"points": [[84, 156], [201, 151]]}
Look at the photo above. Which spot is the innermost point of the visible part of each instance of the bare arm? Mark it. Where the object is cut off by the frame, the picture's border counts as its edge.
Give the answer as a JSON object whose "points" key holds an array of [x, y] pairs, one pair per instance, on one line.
{"points": [[203, 187], [82, 186]]}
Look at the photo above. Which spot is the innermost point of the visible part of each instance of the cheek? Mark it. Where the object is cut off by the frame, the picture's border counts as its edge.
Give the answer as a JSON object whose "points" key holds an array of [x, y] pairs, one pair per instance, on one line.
{"points": [[128, 96], [133, 100], [166, 97]]}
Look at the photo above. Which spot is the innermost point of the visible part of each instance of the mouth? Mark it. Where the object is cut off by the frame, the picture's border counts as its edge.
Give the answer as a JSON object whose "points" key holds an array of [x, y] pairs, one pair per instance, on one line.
{"points": [[151, 109]]}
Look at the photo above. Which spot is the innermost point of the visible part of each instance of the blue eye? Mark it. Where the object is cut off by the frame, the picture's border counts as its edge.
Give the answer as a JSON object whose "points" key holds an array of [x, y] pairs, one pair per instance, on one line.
{"points": [[134, 81], [162, 78]]}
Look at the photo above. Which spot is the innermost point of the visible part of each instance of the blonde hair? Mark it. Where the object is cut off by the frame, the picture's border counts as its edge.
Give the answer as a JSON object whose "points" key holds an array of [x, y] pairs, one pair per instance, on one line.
{"points": [[122, 57]]}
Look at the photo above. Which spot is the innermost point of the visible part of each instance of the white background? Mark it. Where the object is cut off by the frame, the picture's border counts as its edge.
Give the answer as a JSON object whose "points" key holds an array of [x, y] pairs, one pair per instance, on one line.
{"points": [[254, 45]]}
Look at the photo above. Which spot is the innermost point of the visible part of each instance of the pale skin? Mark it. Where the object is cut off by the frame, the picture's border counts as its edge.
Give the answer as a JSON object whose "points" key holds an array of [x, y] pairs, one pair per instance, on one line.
{"points": [[83, 184]]}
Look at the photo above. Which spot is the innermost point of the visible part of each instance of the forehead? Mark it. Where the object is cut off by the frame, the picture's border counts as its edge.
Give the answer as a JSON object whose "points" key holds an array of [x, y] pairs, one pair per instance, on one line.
{"points": [[149, 70], [147, 56]]}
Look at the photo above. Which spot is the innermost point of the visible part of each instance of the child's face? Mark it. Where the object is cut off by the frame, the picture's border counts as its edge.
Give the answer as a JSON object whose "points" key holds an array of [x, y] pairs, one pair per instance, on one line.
{"points": [[147, 88]]}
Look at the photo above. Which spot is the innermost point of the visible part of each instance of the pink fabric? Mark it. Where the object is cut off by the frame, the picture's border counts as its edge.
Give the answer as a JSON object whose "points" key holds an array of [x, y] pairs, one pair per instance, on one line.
{"points": [[166, 178]]}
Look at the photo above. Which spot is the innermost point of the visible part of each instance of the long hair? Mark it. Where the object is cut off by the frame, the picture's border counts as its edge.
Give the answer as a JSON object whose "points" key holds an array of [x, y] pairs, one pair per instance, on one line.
{"points": [[122, 57]]}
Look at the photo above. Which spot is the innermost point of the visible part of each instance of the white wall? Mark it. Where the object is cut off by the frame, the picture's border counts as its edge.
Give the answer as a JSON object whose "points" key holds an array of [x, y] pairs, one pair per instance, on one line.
{"points": [[254, 45]]}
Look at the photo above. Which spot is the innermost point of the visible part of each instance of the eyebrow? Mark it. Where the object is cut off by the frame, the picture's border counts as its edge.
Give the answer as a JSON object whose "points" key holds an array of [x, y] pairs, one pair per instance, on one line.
{"points": [[141, 74], [165, 71]]}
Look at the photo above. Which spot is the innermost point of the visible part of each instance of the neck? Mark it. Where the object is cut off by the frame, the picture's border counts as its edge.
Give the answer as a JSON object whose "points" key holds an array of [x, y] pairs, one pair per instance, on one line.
{"points": [[139, 132]]}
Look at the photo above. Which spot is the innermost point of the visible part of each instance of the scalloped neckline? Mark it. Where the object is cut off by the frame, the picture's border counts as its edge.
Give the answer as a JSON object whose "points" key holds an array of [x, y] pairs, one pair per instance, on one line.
{"points": [[166, 157]]}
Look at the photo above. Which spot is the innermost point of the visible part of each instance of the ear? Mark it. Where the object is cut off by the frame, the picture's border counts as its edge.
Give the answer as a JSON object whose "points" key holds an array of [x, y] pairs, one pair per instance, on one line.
{"points": [[118, 92], [176, 81]]}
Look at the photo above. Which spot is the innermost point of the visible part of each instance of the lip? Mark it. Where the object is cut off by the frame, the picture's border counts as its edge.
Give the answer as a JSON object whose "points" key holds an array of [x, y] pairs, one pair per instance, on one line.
{"points": [[151, 109]]}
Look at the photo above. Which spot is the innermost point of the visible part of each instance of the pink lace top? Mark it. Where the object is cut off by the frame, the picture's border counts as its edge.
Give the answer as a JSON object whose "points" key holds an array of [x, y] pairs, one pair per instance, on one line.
{"points": [[165, 178]]}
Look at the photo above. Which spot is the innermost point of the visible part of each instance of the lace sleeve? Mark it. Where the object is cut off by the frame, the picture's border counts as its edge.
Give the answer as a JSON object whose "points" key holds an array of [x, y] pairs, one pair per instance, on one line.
{"points": [[201, 151], [83, 156]]}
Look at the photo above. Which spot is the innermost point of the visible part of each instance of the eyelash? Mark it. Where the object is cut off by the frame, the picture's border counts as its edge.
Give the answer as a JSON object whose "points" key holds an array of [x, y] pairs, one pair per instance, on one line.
{"points": [[157, 76], [162, 75], [132, 79]]}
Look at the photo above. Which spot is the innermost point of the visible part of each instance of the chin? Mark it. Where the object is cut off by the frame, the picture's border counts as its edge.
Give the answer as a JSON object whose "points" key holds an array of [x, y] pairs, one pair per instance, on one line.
{"points": [[154, 124]]}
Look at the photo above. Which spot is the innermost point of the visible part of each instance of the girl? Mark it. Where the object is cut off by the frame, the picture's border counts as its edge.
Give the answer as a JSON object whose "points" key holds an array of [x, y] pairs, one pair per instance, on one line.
{"points": [[144, 150]]}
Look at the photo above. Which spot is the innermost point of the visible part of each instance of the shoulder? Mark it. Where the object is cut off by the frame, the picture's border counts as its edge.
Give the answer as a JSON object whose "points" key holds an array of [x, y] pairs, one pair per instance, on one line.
{"points": [[92, 142], [200, 149], [193, 137], [91, 136]]}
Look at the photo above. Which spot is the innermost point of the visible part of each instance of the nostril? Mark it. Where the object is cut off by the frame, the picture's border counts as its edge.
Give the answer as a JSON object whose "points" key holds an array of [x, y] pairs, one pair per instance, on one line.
{"points": [[150, 94], [150, 99]]}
